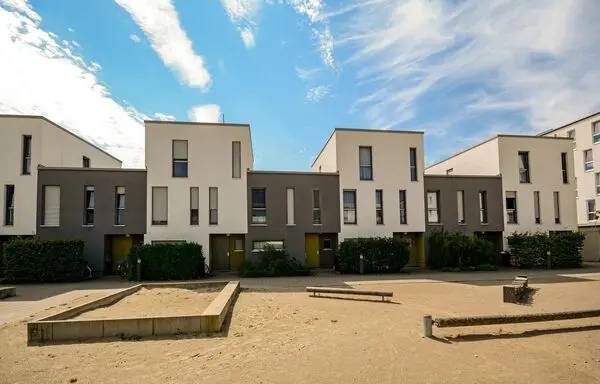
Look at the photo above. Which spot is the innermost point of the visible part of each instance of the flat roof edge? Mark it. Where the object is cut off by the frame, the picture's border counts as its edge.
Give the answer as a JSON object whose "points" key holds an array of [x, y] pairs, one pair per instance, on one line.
{"points": [[44, 168], [458, 176], [195, 123], [308, 173]]}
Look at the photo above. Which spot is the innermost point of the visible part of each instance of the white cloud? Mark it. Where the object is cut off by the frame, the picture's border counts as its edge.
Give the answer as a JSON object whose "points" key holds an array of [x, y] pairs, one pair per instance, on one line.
{"points": [[325, 45], [160, 22], [306, 74], [41, 75], [207, 113], [164, 116], [70, 29], [242, 14], [311, 8], [135, 38], [316, 94]]}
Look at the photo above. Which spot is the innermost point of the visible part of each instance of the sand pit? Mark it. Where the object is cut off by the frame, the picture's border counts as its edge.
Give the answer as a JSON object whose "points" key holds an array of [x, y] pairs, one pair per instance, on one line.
{"points": [[150, 302]]}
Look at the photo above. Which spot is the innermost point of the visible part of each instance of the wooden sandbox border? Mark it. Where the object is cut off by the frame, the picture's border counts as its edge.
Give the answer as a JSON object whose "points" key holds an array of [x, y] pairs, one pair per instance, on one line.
{"points": [[61, 326]]}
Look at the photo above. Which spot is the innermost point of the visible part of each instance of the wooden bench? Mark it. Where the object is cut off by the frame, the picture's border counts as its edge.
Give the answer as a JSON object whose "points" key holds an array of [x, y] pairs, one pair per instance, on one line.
{"points": [[348, 291], [515, 293]]}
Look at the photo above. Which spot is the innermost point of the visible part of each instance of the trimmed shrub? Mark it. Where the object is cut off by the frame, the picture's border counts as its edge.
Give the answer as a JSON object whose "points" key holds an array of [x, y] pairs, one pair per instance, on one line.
{"points": [[166, 261], [35, 260], [456, 251], [380, 255], [274, 262], [529, 250]]}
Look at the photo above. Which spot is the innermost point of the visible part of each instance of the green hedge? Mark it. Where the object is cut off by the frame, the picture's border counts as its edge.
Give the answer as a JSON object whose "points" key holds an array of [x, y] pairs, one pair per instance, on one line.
{"points": [[273, 262], [458, 251], [529, 250], [380, 255], [35, 260], [166, 261]]}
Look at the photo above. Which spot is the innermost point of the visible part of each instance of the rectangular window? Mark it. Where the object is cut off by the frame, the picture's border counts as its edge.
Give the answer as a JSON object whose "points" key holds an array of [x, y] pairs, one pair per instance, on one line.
{"points": [[259, 206], [588, 160], [213, 205], [433, 213], [316, 213], [511, 207], [51, 202], [596, 132], [9, 205], [160, 207], [350, 207], [290, 206], [563, 164], [120, 206], [180, 158], [236, 159], [259, 245], [571, 135], [556, 208], [597, 183], [379, 206], [194, 205], [365, 159], [460, 204], [413, 164], [536, 207], [483, 211], [402, 206], [524, 176], [86, 162], [327, 244], [26, 158], [89, 205], [591, 209]]}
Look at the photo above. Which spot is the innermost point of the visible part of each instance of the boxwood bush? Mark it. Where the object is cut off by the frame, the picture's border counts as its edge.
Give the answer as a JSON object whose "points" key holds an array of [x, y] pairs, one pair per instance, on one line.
{"points": [[529, 250], [36, 260], [458, 251], [380, 255], [166, 261], [273, 262]]}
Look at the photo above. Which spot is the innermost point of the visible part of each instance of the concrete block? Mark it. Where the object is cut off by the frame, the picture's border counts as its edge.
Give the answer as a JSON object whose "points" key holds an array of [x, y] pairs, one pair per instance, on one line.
{"points": [[176, 325], [7, 292], [39, 332], [128, 327], [77, 330]]}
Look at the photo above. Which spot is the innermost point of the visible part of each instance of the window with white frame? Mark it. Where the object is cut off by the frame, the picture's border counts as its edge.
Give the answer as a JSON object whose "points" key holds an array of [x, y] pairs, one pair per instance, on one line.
{"points": [[194, 205], [213, 205], [511, 207], [524, 173], [290, 206], [180, 158], [365, 159], [259, 206], [591, 209], [160, 208], [316, 208], [379, 206], [260, 245], [89, 209], [483, 211], [120, 206], [596, 132], [350, 207], [588, 160], [433, 213], [51, 203], [460, 204]]}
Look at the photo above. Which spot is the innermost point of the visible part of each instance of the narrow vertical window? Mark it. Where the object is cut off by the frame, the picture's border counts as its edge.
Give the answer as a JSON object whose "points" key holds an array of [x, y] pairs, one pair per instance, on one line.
{"points": [[194, 205], [9, 205], [460, 204], [588, 160], [591, 209], [433, 214], [379, 206], [350, 207], [160, 208], [596, 132], [51, 203], [524, 174], [180, 158], [483, 211], [536, 207], [511, 207], [316, 213], [213, 205], [365, 159], [89, 205], [597, 183], [402, 197], [290, 206], [26, 156], [259, 206], [86, 162], [413, 164], [556, 207], [120, 206], [563, 164], [236, 158]]}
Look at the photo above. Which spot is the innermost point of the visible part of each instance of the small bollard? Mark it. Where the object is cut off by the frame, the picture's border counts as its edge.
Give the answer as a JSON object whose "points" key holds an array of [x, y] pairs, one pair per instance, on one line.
{"points": [[549, 259], [362, 264], [139, 269], [427, 326]]}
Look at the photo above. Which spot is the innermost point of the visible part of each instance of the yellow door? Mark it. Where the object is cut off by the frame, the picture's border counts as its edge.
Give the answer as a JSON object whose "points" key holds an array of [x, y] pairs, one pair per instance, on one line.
{"points": [[121, 245], [236, 252], [311, 249]]}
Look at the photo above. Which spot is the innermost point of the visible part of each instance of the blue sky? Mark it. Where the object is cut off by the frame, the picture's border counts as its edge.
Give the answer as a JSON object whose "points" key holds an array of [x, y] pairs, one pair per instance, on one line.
{"points": [[295, 69]]}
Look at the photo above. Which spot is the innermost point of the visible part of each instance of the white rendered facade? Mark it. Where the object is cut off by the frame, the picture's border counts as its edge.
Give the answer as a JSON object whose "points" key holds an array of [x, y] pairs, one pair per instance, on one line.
{"points": [[502, 155], [209, 164], [51, 146]]}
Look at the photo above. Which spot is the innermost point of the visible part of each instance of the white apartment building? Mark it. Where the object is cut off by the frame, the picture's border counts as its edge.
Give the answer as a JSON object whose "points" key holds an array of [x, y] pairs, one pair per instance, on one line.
{"points": [[196, 184], [381, 184], [585, 133], [538, 179], [32, 141]]}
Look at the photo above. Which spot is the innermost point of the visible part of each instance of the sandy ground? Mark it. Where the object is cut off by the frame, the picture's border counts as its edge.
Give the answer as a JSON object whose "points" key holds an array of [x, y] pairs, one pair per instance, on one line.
{"points": [[156, 302], [287, 337]]}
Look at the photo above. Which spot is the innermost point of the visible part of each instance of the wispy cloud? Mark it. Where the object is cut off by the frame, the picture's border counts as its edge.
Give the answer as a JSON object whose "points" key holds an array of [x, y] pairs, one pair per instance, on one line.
{"points": [[160, 23], [321, 33], [242, 14], [135, 38], [207, 113], [163, 116], [316, 94], [41, 75]]}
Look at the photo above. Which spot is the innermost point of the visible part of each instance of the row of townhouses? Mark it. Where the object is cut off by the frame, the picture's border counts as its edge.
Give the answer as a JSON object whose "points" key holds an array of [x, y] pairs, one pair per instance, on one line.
{"points": [[199, 186]]}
